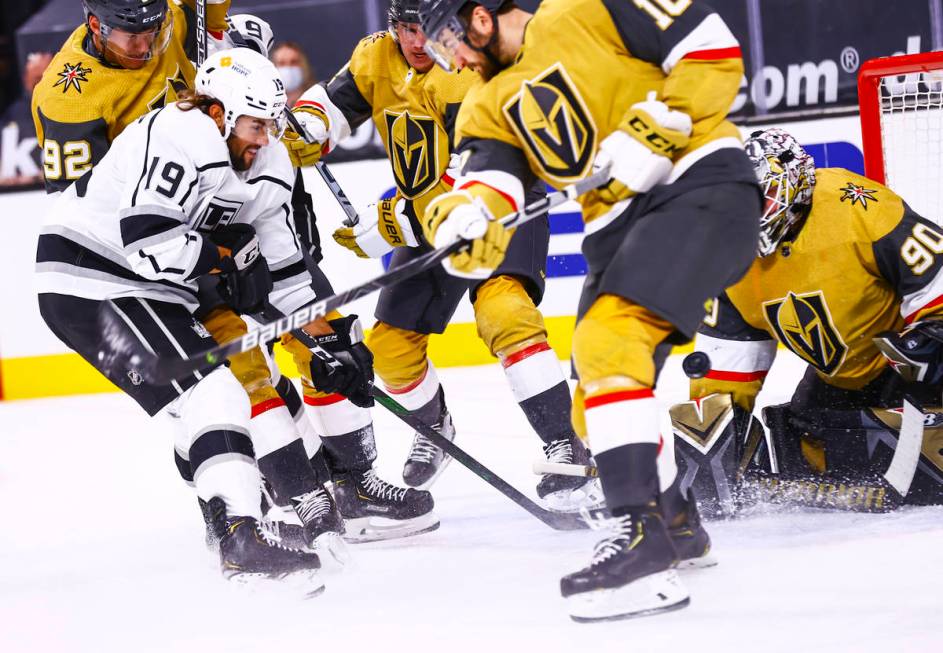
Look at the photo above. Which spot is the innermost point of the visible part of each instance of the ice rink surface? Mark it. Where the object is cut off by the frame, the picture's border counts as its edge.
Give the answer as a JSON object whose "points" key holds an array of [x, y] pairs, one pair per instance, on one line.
{"points": [[102, 550]]}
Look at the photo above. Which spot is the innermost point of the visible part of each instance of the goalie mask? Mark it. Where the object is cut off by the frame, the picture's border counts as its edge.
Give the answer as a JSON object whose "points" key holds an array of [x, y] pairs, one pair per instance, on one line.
{"points": [[786, 174], [246, 84]]}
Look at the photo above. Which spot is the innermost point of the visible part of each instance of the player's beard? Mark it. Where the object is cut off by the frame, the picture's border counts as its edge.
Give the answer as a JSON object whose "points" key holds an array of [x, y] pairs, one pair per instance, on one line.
{"points": [[239, 154]]}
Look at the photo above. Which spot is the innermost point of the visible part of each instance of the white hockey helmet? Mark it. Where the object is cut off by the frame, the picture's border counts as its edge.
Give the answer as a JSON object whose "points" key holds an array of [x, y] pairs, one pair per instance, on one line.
{"points": [[256, 32], [246, 84]]}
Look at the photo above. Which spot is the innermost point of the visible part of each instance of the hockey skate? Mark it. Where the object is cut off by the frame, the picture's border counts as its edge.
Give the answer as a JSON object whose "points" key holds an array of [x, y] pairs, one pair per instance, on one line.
{"points": [[690, 539], [631, 573], [569, 493], [376, 510], [248, 557], [312, 524], [426, 461]]}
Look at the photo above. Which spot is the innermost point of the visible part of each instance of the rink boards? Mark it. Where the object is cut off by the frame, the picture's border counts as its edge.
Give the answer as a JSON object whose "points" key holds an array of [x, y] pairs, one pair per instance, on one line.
{"points": [[33, 363]]}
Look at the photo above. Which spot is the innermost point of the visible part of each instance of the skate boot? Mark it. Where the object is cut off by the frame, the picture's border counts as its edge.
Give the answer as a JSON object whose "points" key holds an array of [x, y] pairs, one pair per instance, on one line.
{"points": [[376, 510], [631, 574], [322, 525], [425, 460], [246, 555], [569, 493], [690, 539]]}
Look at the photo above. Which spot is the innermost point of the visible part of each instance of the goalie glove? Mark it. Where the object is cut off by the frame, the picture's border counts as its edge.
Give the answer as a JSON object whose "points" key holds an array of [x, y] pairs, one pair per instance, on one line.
{"points": [[641, 150], [916, 353], [374, 238], [459, 215], [315, 121]]}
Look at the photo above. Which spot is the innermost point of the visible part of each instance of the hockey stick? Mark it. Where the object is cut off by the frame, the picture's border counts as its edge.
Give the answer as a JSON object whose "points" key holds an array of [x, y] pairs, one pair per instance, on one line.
{"points": [[121, 348], [200, 32], [352, 216], [565, 469], [561, 521]]}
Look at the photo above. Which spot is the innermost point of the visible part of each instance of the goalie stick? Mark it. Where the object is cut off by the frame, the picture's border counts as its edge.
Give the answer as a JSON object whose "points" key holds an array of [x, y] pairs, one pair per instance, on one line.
{"points": [[120, 348], [561, 521]]}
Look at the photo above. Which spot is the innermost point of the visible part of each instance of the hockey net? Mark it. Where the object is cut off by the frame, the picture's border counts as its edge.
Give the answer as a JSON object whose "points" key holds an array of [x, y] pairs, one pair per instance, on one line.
{"points": [[901, 102]]}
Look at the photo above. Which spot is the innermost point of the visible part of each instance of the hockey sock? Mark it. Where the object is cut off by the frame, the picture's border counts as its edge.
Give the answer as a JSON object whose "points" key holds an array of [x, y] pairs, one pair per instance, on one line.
{"points": [[540, 389], [346, 432], [624, 434]]}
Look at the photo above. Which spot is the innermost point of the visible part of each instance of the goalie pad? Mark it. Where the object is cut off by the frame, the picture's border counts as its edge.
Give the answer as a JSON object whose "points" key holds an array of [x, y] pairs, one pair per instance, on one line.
{"points": [[716, 441], [866, 460]]}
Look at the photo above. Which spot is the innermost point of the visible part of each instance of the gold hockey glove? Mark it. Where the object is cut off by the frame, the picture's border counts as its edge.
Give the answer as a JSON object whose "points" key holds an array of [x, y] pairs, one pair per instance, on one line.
{"points": [[373, 238], [642, 149], [460, 215], [315, 121]]}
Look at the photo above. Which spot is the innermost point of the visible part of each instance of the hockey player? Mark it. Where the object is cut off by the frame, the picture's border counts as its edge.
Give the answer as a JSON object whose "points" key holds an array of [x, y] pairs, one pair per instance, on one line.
{"points": [[643, 90], [413, 105], [129, 57], [78, 116], [162, 209], [845, 271]]}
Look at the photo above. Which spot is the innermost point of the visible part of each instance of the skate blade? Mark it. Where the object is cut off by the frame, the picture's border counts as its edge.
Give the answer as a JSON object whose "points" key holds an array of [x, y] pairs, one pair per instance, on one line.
{"points": [[333, 551], [305, 584], [660, 592], [376, 529], [588, 496], [701, 562]]}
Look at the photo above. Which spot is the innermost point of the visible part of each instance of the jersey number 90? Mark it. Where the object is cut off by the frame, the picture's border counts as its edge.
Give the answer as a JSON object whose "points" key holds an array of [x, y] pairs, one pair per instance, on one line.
{"points": [[70, 160], [919, 249]]}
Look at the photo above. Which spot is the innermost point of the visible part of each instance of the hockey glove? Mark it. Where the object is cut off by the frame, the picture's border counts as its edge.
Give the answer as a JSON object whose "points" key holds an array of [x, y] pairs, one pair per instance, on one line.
{"points": [[642, 149], [245, 280], [337, 362], [916, 353], [374, 238], [458, 215], [301, 152]]}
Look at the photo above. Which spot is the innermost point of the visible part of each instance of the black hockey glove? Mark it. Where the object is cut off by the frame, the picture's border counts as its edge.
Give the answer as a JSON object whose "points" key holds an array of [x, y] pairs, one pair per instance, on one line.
{"points": [[916, 353], [340, 362], [245, 280]]}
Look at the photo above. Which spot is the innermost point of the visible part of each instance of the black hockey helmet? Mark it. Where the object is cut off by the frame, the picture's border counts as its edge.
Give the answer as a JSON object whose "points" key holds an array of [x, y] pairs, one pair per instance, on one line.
{"points": [[129, 15], [145, 27], [444, 28], [403, 11]]}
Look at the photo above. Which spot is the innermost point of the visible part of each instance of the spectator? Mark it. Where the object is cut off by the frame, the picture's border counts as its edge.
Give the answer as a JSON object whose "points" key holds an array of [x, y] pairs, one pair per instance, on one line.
{"points": [[294, 69], [20, 164]]}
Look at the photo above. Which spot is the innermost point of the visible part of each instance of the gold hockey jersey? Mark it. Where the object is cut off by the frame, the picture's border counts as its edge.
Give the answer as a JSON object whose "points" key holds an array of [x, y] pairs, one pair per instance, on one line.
{"points": [[414, 112], [582, 65], [82, 103], [863, 262]]}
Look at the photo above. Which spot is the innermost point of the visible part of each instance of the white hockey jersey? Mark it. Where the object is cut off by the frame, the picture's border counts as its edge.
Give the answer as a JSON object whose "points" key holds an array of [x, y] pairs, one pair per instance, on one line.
{"points": [[137, 224]]}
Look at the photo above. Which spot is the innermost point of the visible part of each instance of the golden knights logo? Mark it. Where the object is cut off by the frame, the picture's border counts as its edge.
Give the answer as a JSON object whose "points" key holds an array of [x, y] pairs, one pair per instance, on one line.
{"points": [[551, 119], [804, 324], [857, 194], [72, 77], [172, 89], [417, 146]]}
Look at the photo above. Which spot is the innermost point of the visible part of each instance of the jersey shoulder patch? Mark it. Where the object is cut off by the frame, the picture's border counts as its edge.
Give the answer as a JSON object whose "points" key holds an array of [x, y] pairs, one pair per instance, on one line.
{"points": [[855, 204]]}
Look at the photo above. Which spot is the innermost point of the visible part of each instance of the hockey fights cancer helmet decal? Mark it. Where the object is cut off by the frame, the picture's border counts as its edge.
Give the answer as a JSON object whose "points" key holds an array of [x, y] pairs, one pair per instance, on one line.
{"points": [[247, 84], [786, 174], [444, 28], [136, 30]]}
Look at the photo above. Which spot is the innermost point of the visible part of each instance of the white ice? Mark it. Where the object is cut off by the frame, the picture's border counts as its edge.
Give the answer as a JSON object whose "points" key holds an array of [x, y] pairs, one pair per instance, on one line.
{"points": [[101, 549]]}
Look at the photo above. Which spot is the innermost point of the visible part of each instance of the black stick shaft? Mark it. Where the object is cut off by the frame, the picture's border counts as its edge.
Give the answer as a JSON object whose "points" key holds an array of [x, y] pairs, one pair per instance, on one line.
{"points": [[556, 520]]}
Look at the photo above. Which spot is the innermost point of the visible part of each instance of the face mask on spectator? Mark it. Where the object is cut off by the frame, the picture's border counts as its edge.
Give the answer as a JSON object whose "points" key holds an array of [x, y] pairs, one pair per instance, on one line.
{"points": [[292, 76]]}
